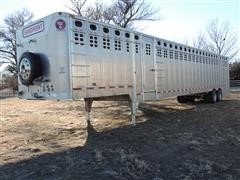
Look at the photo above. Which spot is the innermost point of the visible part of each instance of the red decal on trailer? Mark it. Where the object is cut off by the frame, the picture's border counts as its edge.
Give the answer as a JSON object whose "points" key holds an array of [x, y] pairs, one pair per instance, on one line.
{"points": [[90, 88], [60, 24], [34, 29], [77, 89]]}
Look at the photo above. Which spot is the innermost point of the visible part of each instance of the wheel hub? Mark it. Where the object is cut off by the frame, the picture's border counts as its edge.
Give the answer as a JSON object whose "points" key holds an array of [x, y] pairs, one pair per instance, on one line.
{"points": [[25, 68]]}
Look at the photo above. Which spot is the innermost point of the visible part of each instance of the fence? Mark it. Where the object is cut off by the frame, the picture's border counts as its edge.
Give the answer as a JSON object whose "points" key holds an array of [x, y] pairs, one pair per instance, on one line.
{"points": [[5, 93], [234, 83]]}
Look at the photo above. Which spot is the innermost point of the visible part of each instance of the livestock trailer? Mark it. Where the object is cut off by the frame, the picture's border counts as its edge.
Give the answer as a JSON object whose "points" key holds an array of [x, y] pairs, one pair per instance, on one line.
{"points": [[63, 56]]}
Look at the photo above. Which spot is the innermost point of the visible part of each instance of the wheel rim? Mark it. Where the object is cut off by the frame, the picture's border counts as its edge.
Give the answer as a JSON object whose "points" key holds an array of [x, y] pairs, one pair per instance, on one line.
{"points": [[220, 96], [214, 97], [25, 68]]}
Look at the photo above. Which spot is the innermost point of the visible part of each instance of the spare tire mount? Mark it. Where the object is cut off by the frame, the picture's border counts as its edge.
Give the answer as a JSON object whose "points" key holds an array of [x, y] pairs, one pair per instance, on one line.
{"points": [[30, 67]]}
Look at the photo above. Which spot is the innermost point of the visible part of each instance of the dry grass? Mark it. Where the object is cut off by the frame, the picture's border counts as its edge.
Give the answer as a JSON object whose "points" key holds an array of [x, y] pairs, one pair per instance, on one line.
{"points": [[183, 141]]}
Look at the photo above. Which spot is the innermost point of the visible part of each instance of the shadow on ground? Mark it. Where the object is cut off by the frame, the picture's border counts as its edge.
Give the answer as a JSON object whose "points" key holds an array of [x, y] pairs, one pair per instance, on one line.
{"points": [[201, 142]]}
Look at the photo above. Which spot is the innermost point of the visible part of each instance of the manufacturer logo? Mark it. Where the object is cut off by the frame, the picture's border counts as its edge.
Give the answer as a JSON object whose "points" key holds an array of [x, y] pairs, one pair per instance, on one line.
{"points": [[60, 24], [36, 28]]}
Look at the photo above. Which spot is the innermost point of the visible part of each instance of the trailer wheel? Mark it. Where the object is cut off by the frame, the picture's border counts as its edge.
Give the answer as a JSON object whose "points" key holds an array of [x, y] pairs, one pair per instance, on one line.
{"points": [[219, 95], [29, 68], [182, 99], [185, 99], [190, 99], [212, 96]]}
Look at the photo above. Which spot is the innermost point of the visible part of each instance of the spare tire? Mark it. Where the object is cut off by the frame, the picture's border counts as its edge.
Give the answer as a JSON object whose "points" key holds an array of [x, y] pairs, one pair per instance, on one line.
{"points": [[29, 68]]}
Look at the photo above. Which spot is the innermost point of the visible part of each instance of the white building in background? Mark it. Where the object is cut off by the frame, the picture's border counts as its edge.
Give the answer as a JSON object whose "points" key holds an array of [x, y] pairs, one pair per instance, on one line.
{"points": [[3, 76]]}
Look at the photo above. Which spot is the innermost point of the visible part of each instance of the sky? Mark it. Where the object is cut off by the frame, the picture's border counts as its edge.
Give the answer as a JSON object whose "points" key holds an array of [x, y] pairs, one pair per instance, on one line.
{"points": [[182, 20]]}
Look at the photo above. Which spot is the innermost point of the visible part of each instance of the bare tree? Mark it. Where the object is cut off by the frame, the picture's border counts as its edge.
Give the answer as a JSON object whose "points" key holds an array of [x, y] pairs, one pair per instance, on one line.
{"points": [[219, 39], [235, 70], [77, 6], [122, 12], [8, 37], [100, 13], [200, 42], [125, 12]]}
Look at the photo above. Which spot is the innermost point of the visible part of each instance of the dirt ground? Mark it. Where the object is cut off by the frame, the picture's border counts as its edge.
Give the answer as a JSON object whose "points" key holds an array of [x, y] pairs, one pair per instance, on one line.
{"points": [[51, 140]]}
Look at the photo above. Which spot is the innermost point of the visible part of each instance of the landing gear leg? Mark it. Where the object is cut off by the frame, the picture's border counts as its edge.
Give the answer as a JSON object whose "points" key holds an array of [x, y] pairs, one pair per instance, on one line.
{"points": [[134, 107], [88, 107]]}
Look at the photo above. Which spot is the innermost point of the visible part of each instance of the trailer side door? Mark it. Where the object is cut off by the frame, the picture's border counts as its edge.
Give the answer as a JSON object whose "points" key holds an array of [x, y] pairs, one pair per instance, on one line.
{"points": [[149, 71]]}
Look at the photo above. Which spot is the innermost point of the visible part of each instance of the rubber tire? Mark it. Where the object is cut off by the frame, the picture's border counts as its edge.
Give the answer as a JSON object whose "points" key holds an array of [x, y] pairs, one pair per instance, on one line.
{"points": [[35, 67], [185, 99], [190, 99], [212, 96], [219, 95], [181, 99]]}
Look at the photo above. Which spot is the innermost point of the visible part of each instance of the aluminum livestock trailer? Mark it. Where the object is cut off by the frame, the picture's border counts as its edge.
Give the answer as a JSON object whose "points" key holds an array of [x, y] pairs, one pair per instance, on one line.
{"points": [[63, 56]]}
